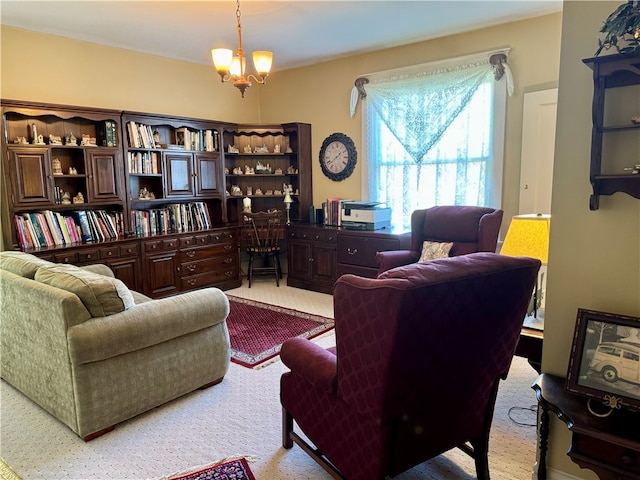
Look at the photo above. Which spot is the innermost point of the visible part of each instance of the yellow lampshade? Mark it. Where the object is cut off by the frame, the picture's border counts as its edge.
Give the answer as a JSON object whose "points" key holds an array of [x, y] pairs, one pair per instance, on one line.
{"points": [[528, 236], [262, 61], [222, 59]]}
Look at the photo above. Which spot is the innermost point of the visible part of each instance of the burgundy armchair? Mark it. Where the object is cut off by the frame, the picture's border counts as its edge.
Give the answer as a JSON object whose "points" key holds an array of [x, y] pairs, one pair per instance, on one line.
{"points": [[471, 229], [419, 354]]}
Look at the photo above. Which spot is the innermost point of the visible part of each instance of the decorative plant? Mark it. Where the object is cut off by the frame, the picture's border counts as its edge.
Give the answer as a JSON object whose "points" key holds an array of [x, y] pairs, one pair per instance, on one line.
{"points": [[622, 29]]}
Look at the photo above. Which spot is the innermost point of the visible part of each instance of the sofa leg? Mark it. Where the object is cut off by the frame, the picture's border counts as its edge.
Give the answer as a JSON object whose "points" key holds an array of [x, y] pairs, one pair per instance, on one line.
{"points": [[93, 435], [210, 384], [287, 428]]}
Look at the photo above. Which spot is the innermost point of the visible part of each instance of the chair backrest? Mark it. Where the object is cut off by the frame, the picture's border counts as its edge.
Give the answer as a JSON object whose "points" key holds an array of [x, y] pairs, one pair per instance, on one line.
{"points": [[262, 230], [432, 339], [471, 229]]}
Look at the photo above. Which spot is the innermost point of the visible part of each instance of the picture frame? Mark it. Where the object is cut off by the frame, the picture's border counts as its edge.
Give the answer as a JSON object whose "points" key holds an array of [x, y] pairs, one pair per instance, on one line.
{"points": [[605, 360]]}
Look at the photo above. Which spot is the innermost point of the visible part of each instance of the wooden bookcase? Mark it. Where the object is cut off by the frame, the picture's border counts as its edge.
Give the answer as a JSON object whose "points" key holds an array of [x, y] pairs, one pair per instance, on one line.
{"points": [[158, 180], [284, 150]]}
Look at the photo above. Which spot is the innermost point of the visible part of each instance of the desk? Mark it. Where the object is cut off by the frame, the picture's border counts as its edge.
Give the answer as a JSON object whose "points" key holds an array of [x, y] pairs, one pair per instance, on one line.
{"points": [[609, 446]]}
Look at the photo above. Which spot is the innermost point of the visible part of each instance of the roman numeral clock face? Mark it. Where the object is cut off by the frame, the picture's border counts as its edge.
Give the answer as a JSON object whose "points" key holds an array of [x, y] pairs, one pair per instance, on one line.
{"points": [[338, 156]]}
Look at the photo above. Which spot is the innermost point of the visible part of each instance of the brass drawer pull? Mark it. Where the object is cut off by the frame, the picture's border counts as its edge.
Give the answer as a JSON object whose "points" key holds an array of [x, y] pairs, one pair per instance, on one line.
{"points": [[190, 253], [191, 268], [352, 252]]}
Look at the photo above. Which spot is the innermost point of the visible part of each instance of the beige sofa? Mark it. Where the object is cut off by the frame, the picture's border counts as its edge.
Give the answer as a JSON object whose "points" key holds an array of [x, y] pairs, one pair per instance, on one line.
{"points": [[92, 353]]}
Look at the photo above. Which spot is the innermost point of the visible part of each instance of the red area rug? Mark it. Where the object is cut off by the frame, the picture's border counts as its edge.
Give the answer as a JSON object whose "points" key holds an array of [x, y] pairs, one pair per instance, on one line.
{"points": [[257, 330], [231, 470]]}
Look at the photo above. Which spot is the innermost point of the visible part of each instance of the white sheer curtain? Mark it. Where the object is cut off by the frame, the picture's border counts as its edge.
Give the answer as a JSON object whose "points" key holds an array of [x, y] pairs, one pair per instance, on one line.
{"points": [[431, 138]]}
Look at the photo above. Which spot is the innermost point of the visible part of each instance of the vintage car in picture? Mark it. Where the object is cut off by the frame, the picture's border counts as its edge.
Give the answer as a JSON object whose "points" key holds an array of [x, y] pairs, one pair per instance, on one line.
{"points": [[617, 361]]}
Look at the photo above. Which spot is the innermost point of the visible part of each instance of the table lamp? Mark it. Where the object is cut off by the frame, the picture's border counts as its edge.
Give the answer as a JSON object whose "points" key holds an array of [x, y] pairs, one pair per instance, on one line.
{"points": [[528, 236], [287, 203]]}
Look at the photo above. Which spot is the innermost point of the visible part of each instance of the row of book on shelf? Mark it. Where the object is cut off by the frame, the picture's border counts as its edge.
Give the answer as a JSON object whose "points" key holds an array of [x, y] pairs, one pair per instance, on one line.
{"points": [[332, 209], [173, 218], [51, 229], [143, 162], [142, 136]]}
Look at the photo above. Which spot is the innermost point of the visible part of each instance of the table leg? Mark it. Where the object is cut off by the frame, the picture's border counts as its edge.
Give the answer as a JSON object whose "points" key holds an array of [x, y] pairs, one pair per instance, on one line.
{"points": [[544, 437]]}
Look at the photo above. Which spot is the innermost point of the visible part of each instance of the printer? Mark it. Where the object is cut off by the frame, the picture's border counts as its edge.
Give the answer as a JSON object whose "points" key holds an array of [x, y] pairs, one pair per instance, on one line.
{"points": [[365, 216]]}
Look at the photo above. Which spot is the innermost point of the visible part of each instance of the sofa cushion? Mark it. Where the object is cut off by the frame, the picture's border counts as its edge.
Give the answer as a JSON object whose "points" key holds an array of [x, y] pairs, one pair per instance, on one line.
{"points": [[20, 263], [433, 250], [102, 295]]}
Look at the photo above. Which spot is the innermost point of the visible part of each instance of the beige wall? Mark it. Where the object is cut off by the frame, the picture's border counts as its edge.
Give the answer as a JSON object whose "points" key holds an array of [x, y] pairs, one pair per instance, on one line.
{"points": [[82, 73], [594, 257]]}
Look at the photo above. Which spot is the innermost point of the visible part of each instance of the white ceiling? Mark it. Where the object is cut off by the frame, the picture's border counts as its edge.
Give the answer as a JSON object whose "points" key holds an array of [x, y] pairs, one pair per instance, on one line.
{"points": [[298, 32]]}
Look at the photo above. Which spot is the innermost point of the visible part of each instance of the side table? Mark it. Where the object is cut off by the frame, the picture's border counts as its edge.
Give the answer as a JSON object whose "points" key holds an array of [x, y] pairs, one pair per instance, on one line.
{"points": [[609, 446]]}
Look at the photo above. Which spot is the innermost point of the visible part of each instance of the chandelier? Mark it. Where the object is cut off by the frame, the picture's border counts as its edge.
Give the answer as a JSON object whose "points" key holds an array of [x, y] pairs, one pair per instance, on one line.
{"points": [[233, 68]]}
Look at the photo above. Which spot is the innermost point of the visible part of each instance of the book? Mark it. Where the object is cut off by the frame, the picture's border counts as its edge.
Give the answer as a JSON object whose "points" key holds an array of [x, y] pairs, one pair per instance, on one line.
{"points": [[107, 133], [23, 237], [38, 229], [64, 229], [83, 221]]}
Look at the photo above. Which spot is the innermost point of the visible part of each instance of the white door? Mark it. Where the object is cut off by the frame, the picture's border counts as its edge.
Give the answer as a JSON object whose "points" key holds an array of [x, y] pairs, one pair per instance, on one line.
{"points": [[538, 144]]}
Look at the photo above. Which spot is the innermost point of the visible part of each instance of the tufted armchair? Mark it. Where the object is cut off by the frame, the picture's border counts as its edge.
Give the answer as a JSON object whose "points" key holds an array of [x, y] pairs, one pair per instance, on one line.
{"points": [[471, 229], [419, 354]]}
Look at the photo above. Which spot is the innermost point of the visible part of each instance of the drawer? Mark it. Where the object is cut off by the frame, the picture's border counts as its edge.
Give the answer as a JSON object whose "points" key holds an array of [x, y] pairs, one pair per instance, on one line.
{"points": [[355, 250], [110, 252], [204, 266], [129, 249], [192, 254], [195, 240], [312, 234], [68, 257], [615, 456], [209, 278], [88, 255], [160, 245]]}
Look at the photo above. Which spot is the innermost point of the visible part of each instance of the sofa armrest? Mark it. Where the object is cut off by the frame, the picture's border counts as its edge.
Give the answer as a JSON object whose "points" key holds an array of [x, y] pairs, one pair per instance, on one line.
{"points": [[147, 324], [100, 269], [394, 258], [313, 363]]}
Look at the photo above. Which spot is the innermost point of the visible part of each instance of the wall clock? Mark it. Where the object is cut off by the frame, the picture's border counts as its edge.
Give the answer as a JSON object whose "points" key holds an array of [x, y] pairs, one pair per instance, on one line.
{"points": [[338, 156]]}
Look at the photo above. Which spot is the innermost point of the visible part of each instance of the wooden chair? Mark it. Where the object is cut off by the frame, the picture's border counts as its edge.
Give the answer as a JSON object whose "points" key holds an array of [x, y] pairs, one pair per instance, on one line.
{"points": [[262, 233]]}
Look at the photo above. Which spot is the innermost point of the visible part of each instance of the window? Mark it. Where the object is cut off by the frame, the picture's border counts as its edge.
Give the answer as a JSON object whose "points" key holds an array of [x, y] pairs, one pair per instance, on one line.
{"points": [[434, 136]]}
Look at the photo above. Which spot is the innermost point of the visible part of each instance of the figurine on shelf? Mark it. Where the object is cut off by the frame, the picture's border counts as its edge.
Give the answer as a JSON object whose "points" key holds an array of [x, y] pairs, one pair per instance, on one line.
{"points": [[226, 170], [276, 149], [56, 166], [70, 139], [235, 191], [247, 149], [34, 133], [39, 140], [262, 168], [79, 198], [278, 171], [237, 171], [232, 149], [73, 171], [269, 192], [156, 137], [249, 191], [21, 141], [290, 170], [277, 192], [246, 205], [248, 170], [288, 150], [635, 170], [66, 198], [88, 141], [258, 191], [635, 120], [262, 150], [54, 139], [145, 194]]}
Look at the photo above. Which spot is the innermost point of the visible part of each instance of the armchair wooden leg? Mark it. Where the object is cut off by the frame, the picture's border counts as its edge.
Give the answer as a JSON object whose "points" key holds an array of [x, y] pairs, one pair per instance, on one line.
{"points": [[481, 458], [287, 428]]}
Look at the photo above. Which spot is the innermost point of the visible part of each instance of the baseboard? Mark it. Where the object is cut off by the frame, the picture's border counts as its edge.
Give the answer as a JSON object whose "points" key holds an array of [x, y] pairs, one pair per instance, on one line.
{"points": [[553, 474]]}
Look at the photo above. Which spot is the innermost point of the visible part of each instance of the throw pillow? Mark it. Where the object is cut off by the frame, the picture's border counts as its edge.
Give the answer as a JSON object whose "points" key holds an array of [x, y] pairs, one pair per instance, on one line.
{"points": [[20, 263], [433, 250], [101, 295]]}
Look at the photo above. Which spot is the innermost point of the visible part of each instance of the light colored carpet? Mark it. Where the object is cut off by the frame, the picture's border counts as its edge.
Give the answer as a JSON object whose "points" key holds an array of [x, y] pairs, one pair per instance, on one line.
{"points": [[240, 416]]}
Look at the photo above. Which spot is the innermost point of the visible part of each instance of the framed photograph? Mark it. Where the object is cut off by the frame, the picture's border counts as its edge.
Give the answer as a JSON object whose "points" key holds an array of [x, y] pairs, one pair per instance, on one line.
{"points": [[605, 359]]}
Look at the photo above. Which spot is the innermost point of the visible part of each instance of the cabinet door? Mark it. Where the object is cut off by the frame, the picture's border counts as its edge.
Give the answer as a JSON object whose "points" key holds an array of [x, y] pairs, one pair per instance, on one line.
{"points": [[127, 270], [32, 173], [161, 274], [178, 169], [300, 259], [324, 263], [104, 176], [207, 174]]}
